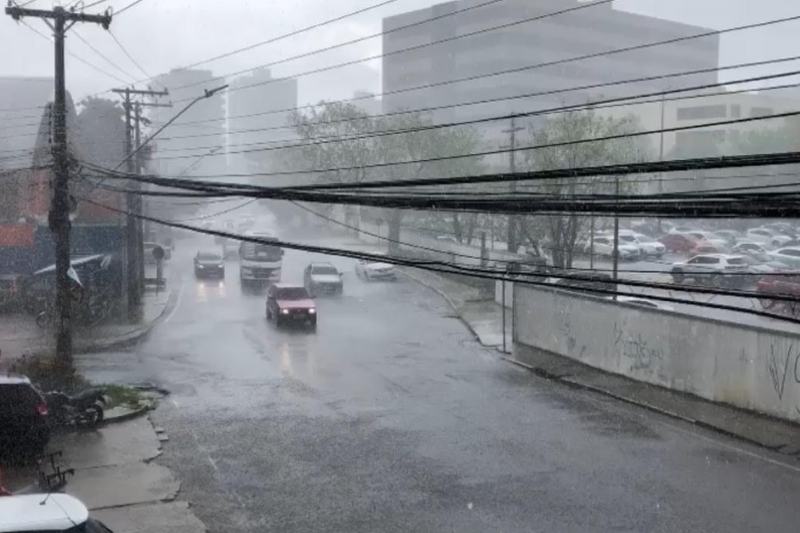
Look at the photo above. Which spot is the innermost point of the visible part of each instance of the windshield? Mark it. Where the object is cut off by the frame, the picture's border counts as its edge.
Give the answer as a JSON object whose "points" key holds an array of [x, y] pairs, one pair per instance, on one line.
{"points": [[292, 293], [561, 335], [324, 270], [259, 252]]}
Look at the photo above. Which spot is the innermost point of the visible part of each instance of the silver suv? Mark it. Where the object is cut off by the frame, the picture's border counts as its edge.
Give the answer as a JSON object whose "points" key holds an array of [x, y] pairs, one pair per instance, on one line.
{"points": [[711, 269]]}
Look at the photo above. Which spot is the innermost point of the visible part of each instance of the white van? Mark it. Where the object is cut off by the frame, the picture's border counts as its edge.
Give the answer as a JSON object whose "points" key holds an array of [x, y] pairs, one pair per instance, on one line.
{"points": [[52, 513]]}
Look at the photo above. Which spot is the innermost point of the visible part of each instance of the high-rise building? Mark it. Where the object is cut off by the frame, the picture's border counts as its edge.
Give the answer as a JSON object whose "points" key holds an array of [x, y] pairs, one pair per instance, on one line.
{"points": [[259, 109], [189, 142], [499, 65]]}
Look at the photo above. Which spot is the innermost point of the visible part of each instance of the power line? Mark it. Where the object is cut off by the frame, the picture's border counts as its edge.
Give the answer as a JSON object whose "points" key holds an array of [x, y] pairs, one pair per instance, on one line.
{"points": [[498, 99], [128, 55], [593, 55], [444, 267], [407, 26], [102, 55], [124, 9]]}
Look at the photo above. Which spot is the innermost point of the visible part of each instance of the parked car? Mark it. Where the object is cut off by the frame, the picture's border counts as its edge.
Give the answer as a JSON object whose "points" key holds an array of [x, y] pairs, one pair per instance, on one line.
{"points": [[322, 278], [372, 269], [767, 237], [290, 304], [680, 230], [678, 242], [789, 256], [709, 238], [604, 246], [24, 424], [209, 264], [51, 513], [710, 269], [731, 237], [589, 283], [748, 248], [705, 247], [783, 228], [643, 302], [780, 285], [649, 247]]}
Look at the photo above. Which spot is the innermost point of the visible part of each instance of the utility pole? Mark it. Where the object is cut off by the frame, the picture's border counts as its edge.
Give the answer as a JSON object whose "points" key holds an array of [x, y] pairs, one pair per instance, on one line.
{"points": [[616, 237], [512, 236], [133, 264], [661, 156], [58, 217]]}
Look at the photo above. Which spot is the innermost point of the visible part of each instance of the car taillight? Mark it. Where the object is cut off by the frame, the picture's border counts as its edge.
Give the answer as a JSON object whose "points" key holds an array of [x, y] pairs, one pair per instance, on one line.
{"points": [[41, 409]]}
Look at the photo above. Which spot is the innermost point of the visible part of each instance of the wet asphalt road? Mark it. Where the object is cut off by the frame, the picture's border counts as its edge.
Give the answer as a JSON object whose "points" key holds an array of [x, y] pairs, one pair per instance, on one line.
{"points": [[391, 418]]}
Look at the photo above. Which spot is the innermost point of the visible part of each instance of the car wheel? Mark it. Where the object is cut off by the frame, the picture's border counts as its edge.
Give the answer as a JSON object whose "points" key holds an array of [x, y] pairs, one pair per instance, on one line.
{"points": [[678, 276]]}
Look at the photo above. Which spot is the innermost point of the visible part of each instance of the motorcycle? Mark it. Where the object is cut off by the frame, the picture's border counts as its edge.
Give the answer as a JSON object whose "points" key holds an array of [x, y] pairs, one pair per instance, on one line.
{"points": [[84, 409]]}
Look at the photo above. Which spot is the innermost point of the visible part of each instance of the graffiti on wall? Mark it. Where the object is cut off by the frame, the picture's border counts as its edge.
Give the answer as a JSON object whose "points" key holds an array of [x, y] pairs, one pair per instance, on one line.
{"points": [[637, 349], [783, 364]]}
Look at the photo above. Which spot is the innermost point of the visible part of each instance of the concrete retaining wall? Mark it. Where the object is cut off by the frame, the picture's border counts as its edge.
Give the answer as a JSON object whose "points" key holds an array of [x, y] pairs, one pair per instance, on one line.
{"points": [[747, 367]]}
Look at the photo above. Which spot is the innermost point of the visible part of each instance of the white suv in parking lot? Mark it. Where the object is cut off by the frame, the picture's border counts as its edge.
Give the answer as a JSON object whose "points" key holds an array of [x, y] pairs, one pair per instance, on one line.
{"points": [[709, 268], [50, 513]]}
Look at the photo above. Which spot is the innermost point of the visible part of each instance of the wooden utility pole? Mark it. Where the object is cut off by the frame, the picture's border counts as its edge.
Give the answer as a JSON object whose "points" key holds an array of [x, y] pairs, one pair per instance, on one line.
{"points": [[512, 240], [133, 265], [58, 217]]}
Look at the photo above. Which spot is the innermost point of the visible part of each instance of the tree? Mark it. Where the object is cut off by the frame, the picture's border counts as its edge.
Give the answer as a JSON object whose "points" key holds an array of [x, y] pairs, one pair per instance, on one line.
{"points": [[562, 231], [101, 132]]}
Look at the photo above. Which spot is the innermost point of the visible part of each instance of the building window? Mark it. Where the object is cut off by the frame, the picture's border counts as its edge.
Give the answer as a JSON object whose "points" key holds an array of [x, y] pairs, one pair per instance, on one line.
{"points": [[702, 112]]}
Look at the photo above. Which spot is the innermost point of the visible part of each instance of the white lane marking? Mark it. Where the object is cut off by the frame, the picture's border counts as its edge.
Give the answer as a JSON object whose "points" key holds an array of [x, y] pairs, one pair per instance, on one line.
{"points": [[177, 304]]}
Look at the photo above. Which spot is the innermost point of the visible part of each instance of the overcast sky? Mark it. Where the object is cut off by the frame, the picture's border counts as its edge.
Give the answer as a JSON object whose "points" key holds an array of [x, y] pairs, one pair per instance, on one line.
{"points": [[163, 34]]}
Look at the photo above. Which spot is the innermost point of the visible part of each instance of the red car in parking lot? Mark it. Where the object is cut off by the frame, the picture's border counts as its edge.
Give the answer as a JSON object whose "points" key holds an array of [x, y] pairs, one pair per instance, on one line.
{"points": [[780, 285], [678, 242]]}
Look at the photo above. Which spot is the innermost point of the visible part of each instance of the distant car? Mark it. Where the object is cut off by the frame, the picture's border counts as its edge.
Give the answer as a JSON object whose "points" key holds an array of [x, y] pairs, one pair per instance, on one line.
{"points": [[322, 278], [681, 230], [290, 304], [728, 235], [748, 248], [604, 246], [50, 513], [709, 238], [780, 285], [767, 237], [704, 247], [371, 269], [649, 247], [643, 302], [711, 269], [24, 426], [789, 256], [209, 264], [678, 242]]}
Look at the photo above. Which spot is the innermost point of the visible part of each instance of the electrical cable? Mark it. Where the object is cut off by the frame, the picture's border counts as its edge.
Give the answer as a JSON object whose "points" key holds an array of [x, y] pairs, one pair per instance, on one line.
{"points": [[409, 49], [103, 56], [124, 9], [128, 55], [527, 67], [438, 266]]}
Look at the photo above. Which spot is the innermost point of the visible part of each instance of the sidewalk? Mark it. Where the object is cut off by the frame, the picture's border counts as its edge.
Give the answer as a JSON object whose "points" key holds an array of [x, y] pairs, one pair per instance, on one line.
{"points": [[20, 335], [483, 318], [116, 478]]}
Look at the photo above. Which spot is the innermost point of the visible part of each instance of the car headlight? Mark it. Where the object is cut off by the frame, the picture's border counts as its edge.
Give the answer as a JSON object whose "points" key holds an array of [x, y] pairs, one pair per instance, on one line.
{"points": [[200, 266], [312, 311], [284, 311]]}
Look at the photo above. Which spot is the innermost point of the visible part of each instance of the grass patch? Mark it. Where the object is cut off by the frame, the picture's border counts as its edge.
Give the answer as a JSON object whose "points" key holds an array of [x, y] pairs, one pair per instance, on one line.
{"points": [[124, 396]]}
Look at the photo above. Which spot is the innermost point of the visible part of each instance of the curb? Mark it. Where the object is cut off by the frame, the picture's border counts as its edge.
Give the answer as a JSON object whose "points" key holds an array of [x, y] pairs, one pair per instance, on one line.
{"points": [[127, 416], [435, 289], [131, 338], [565, 379]]}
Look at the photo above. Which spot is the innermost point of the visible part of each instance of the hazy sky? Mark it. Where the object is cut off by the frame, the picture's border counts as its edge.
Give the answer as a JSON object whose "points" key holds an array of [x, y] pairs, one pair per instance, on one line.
{"points": [[163, 34]]}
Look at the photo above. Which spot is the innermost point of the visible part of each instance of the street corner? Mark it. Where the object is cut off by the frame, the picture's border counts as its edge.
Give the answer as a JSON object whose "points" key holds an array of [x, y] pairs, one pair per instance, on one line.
{"points": [[164, 517]]}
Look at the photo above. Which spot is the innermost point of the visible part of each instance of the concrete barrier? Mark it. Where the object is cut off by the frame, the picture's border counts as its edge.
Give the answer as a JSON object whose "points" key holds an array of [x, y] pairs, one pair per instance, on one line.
{"points": [[747, 367]]}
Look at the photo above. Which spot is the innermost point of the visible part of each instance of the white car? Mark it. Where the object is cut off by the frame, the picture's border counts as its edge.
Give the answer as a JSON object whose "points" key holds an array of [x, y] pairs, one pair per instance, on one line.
{"points": [[605, 246], [789, 256], [749, 248], [649, 246], [709, 268], [767, 237], [643, 302], [370, 269], [53, 513]]}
